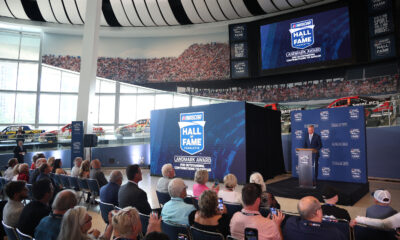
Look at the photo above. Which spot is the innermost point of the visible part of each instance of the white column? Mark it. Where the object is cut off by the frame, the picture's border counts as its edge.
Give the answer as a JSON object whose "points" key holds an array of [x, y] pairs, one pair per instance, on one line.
{"points": [[87, 80]]}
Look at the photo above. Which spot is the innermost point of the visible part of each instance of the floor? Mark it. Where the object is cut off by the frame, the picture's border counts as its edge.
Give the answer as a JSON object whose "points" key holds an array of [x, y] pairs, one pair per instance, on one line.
{"points": [[290, 205]]}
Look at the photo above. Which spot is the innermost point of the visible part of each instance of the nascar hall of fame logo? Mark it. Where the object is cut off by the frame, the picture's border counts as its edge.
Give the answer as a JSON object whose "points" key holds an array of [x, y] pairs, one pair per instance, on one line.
{"points": [[298, 117], [302, 34], [356, 173], [192, 132], [325, 152], [355, 153], [325, 134], [354, 114], [324, 115], [304, 159], [299, 134], [355, 133], [326, 171]]}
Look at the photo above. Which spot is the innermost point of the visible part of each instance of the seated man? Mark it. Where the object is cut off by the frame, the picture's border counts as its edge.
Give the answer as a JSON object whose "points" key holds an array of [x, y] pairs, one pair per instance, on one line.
{"points": [[45, 171], [250, 217], [77, 166], [309, 225], [36, 172], [329, 209], [36, 209], [130, 194], [168, 174], [176, 210], [381, 209], [49, 227], [96, 173], [16, 191], [109, 192]]}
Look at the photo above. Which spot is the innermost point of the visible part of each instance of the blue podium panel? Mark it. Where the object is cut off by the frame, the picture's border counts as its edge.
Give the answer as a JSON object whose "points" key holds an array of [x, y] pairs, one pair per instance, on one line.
{"points": [[343, 153], [208, 137]]}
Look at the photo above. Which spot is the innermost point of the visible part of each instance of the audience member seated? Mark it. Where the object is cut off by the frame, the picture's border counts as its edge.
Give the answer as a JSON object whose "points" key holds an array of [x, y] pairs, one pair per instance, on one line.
{"points": [[16, 191], [168, 173], [23, 172], [49, 227], [9, 173], [130, 194], [201, 177], [127, 224], [209, 217], [34, 159], [267, 199], [76, 224], [38, 208], [156, 236], [176, 210], [389, 223], [45, 170], [57, 167], [96, 173], [109, 192], [309, 226], [84, 172], [51, 161], [77, 165], [15, 172], [381, 208], [329, 209], [36, 172], [250, 217], [229, 194]]}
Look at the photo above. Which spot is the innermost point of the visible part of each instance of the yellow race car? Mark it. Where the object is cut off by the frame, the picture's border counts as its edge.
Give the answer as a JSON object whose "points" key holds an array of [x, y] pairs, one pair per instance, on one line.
{"points": [[28, 134]]}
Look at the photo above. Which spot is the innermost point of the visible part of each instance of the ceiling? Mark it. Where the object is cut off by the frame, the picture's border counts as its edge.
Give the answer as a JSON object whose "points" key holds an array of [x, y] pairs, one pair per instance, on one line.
{"points": [[148, 13]]}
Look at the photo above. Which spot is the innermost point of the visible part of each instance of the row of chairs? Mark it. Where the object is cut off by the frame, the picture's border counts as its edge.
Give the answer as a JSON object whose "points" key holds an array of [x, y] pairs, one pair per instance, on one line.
{"points": [[14, 233]]}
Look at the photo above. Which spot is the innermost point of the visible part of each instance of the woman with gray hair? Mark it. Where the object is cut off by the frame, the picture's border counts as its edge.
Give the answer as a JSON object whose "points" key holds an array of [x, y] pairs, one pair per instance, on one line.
{"points": [[168, 173], [267, 199], [201, 177], [229, 194], [76, 224]]}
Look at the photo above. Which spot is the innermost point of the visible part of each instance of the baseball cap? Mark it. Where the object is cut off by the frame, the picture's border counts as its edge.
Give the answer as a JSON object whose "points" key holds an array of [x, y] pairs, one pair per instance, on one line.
{"points": [[329, 192], [382, 196]]}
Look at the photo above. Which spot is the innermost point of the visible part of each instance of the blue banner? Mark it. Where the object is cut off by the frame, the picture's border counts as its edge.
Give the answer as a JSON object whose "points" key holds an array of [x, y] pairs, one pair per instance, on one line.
{"points": [[208, 137], [76, 140], [342, 131]]}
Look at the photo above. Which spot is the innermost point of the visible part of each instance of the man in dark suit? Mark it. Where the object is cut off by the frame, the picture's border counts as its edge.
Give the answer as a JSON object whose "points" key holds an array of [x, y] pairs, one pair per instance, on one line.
{"points": [[20, 151], [313, 140], [130, 194]]}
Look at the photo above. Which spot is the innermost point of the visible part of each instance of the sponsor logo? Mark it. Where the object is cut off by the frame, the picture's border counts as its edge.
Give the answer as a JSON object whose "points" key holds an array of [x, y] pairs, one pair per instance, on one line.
{"points": [[325, 152], [299, 134], [356, 173], [302, 34], [355, 133], [191, 126], [355, 153], [354, 114], [304, 159], [298, 117], [325, 134], [324, 115], [326, 171]]}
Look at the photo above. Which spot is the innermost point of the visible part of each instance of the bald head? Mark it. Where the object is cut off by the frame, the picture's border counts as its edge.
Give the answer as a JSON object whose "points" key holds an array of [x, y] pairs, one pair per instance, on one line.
{"points": [[64, 200], [310, 209], [96, 164], [116, 177]]}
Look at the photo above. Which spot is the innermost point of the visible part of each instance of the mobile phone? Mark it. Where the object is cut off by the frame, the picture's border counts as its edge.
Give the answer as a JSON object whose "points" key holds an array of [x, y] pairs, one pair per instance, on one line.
{"points": [[182, 236], [220, 204], [216, 182], [273, 211], [154, 213], [250, 234]]}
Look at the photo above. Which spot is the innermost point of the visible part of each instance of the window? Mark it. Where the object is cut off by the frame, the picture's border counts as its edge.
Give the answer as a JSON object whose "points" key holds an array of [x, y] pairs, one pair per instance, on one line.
{"points": [[199, 101], [127, 109], [49, 108], [164, 101], [25, 108], [8, 75], [30, 47], [126, 88], [106, 109], [145, 103], [9, 45], [7, 107], [68, 108], [181, 101], [27, 76], [51, 79], [69, 82]]}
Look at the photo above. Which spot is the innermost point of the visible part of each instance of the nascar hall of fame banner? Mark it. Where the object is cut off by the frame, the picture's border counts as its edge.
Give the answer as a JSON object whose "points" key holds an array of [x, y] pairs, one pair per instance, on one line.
{"points": [[239, 69], [343, 153], [383, 47], [238, 32], [76, 140], [239, 50], [381, 24], [208, 137], [379, 5]]}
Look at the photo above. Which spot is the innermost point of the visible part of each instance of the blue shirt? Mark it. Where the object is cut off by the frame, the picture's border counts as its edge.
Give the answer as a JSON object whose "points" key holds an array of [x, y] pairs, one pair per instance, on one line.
{"points": [[109, 193], [380, 212], [49, 227], [177, 211]]}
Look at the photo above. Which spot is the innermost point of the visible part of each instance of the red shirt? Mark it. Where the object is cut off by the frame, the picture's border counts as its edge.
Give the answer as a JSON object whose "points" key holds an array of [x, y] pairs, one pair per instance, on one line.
{"points": [[23, 176]]}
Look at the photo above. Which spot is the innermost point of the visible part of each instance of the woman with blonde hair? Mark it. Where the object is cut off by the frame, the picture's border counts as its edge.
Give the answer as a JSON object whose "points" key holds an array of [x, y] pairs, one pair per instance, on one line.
{"points": [[201, 178], [267, 199], [23, 172], [229, 194], [84, 172], [16, 172]]}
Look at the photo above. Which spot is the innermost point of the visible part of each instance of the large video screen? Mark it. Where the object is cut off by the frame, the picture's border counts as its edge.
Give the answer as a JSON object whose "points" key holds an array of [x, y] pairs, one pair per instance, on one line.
{"points": [[319, 38]]}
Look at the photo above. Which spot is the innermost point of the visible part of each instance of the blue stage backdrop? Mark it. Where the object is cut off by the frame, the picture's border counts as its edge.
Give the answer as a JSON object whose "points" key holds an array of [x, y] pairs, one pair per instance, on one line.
{"points": [[342, 130], [208, 137]]}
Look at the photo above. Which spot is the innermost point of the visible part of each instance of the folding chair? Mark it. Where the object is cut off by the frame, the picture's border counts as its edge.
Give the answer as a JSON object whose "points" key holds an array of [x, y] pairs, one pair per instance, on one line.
{"points": [[198, 234], [10, 232], [174, 229], [162, 198], [105, 208], [145, 222], [362, 232], [83, 185], [23, 236]]}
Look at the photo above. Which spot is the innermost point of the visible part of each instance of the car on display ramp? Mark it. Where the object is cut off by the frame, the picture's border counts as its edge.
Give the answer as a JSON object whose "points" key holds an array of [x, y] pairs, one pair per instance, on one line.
{"points": [[31, 135], [65, 133]]}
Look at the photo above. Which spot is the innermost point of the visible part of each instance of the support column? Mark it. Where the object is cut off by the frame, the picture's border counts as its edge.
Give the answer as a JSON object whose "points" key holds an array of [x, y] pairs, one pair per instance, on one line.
{"points": [[87, 79]]}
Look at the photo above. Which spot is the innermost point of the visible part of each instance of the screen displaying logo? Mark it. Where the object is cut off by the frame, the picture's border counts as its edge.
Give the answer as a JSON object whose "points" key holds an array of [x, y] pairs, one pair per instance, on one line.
{"points": [[326, 171], [355, 153], [325, 134], [298, 117], [302, 34], [354, 114], [324, 115], [192, 132], [355, 133], [325, 152], [356, 173], [299, 134]]}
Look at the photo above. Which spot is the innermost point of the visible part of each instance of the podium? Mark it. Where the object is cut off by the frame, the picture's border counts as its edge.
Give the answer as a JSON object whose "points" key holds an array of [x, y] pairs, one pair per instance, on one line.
{"points": [[306, 164]]}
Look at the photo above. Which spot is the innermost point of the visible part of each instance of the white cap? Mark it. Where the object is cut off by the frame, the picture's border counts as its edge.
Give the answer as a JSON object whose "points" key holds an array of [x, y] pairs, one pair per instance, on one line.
{"points": [[382, 196]]}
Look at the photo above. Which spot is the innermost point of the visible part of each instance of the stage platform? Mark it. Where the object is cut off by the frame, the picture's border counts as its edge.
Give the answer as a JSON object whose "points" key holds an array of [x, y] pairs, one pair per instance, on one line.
{"points": [[349, 193]]}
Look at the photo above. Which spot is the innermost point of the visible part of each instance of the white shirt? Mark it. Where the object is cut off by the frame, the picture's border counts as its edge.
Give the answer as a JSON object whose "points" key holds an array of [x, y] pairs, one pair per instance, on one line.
{"points": [[9, 173], [230, 196], [11, 212], [310, 136], [75, 172], [392, 222]]}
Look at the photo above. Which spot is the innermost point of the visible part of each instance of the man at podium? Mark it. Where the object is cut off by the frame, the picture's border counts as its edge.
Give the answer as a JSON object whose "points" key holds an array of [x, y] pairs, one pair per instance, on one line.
{"points": [[313, 140]]}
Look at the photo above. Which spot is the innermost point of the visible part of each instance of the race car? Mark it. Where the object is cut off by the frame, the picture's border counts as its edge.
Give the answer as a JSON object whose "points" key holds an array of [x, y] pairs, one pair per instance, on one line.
{"points": [[140, 126], [65, 133], [29, 136]]}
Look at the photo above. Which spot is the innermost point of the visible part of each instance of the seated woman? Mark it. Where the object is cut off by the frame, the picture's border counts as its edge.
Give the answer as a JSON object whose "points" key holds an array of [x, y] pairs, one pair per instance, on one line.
{"points": [[267, 199], [201, 177], [57, 167], [209, 217], [76, 224], [23, 172], [229, 194], [168, 174], [84, 172], [15, 172], [51, 161]]}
